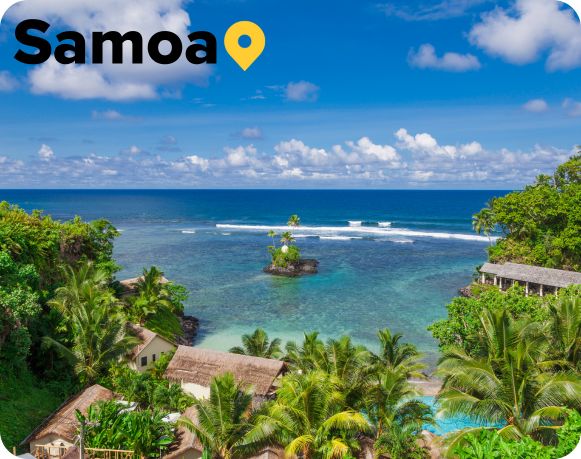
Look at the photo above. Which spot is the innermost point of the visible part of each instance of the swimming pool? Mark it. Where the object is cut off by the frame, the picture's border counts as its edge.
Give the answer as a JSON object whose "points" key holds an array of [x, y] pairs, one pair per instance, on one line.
{"points": [[448, 424]]}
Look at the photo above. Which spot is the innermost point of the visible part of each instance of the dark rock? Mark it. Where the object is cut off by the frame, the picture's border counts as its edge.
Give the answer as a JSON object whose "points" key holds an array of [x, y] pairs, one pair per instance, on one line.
{"points": [[306, 266], [190, 326], [466, 292]]}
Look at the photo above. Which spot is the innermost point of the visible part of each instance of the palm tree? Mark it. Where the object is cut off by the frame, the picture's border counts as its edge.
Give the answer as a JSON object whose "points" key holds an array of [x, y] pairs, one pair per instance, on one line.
{"points": [[565, 330], [258, 345], [225, 421], [508, 384], [483, 222], [84, 284], [272, 235], [397, 418], [153, 306], [286, 238], [294, 221], [309, 417], [98, 337], [394, 355], [305, 357]]}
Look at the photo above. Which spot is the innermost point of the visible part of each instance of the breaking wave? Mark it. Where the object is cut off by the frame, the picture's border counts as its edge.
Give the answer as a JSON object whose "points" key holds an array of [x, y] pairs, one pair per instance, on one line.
{"points": [[326, 231]]}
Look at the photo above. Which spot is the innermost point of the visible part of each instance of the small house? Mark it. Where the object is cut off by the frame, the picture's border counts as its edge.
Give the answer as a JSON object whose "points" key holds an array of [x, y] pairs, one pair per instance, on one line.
{"points": [[149, 350], [57, 433]]}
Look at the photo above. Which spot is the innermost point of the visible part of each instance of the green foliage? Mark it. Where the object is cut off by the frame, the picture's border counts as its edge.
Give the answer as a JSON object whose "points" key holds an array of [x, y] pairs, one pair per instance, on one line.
{"points": [[541, 225], [461, 327], [19, 305], [282, 258], [489, 444], [94, 322], [393, 355], [258, 345], [569, 435], [108, 426], [25, 402], [311, 418], [48, 244], [157, 304], [397, 418], [511, 382], [147, 389], [226, 421]]}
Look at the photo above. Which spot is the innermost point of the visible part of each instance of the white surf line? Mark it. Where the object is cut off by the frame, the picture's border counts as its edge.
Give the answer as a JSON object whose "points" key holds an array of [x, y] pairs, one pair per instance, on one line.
{"points": [[361, 230]]}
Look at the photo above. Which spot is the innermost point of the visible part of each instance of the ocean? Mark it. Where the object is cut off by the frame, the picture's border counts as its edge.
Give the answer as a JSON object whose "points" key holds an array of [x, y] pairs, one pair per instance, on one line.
{"points": [[387, 258]]}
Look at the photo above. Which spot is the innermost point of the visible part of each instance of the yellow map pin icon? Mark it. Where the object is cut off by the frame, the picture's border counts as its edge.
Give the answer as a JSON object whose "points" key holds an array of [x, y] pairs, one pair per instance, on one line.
{"points": [[244, 57]]}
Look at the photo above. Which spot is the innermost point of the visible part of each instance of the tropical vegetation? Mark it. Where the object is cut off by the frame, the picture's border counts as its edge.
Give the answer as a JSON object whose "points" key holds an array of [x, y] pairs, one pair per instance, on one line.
{"points": [[110, 425], [540, 225], [63, 319], [287, 253], [258, 345]]}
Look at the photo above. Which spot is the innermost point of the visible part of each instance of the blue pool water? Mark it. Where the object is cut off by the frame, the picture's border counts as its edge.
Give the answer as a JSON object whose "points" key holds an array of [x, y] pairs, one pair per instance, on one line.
{"points": [[446, 425], [398, 275]]}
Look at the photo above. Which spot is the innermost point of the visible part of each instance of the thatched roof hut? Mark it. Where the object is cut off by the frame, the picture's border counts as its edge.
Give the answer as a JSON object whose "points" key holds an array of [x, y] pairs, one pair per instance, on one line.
{"points": [[129, 286], [62, 424], [534, 274], [192, 365], [187, 444]]}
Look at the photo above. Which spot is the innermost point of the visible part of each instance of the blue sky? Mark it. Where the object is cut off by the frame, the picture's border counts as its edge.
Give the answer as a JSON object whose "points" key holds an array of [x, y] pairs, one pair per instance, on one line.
{"points": [[347, 94]]}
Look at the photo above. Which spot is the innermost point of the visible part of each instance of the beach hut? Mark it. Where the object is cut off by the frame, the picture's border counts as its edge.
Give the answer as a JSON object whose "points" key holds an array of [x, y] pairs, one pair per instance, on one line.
{"points": [[534, 278], [194, 369], [129, 286], [56, 434], [149, 350]]}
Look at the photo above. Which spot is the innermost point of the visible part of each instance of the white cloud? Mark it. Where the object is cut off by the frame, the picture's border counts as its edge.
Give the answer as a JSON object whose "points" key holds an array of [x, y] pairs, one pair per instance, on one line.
{"points": [[416, 159], [572, 107], [113, 81], [45, 153], [84, 82], [202, 163], [536, 106], [426, 58], [302, 91], [530, 30], [109, 115], [251, 133], [426, 145], [7, 82]]}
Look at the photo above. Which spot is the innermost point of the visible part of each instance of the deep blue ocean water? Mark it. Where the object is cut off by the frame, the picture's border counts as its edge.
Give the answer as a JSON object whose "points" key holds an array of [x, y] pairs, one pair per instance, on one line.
{"points": [[398, 269]]}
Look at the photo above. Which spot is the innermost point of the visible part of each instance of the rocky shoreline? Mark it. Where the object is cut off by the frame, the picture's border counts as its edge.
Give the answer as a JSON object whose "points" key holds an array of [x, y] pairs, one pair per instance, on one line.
{"points": [[303, 267], [190, 326]]}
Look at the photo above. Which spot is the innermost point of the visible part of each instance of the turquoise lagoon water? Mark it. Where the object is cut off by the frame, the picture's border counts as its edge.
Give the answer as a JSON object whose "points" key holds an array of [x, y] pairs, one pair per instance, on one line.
{"points": [[399, 274]]}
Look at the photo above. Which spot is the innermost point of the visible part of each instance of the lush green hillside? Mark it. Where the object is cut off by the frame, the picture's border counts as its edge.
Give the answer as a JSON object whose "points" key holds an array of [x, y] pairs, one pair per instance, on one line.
{"points": [[540, 225]]}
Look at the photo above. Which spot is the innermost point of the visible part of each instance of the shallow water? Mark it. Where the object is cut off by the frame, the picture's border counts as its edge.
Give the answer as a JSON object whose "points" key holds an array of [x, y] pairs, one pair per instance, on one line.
{"points": [[399, 275]]}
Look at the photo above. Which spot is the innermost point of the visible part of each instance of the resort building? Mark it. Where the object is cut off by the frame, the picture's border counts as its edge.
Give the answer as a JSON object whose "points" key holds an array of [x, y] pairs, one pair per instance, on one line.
{"points": [[194, 369], [535, 279], [56, 434], [151, 348]]}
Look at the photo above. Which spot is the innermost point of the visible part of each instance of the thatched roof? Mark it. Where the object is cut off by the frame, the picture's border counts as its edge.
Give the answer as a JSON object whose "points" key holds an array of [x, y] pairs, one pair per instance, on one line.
{"points": [[185, 439], [145, 335], [199, 366], [129, 285], [63, 421], [534, 274]]}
